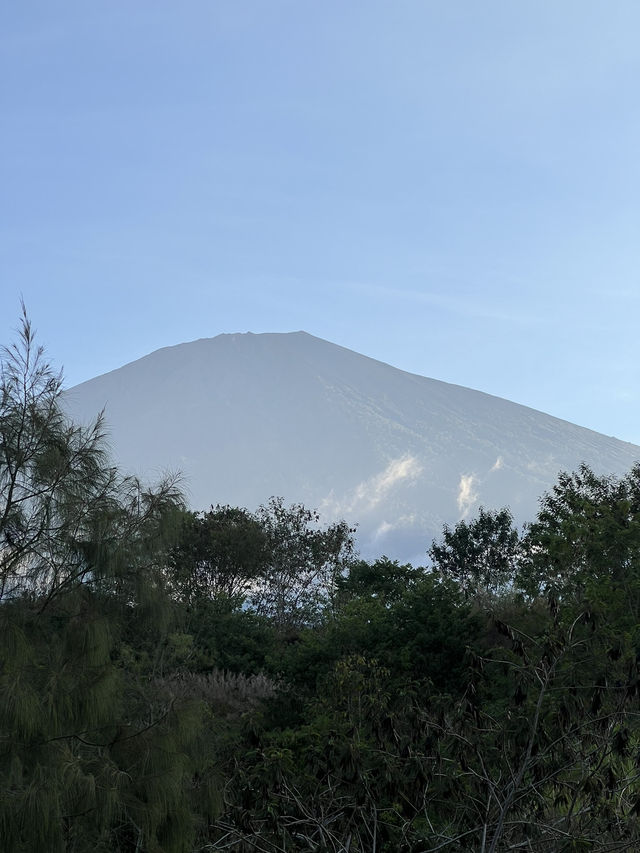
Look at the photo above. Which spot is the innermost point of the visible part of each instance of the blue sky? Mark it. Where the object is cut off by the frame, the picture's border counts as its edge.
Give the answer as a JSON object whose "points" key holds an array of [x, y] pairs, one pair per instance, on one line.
{"points": [[451, 187]]}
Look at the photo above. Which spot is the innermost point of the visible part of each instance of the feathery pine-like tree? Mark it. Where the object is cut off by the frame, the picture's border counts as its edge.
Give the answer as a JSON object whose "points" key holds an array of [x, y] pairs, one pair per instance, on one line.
{"points": [[95, 751]]}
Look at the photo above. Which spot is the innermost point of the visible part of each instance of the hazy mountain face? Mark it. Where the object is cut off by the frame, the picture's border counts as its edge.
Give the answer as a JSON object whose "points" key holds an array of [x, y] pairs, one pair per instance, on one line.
{"points": [[245, 417]]}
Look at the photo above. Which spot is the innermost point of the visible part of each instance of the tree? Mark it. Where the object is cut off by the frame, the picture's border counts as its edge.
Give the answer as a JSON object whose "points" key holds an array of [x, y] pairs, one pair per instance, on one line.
{"points": [[54, 484], [541, 752], [219, 554], [303, 564], [481, 555], [542, 749], [399, 738], [382, 580], [94, 753], [585, 543]]}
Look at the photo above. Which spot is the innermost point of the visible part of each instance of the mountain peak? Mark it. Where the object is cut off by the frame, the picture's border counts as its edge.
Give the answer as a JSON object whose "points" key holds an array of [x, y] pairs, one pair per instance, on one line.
{"points": [[246, 416]]}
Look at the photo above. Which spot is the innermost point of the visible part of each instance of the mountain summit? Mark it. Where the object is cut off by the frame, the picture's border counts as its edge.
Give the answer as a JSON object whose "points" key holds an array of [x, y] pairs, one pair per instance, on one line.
{"points": [[247, 416]]}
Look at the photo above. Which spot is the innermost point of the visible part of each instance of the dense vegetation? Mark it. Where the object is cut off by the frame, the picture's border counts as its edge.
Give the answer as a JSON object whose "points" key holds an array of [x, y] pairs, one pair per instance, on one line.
{"points": [[240, 681]]}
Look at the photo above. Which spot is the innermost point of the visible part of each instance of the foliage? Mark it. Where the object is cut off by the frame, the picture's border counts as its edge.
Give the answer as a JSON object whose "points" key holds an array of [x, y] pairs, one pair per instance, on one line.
{"points": [[304, 563], [92, 754], [412, 622], [585, 543], [278, 561], [533, 745], [218, 554], [481, 555], [177, 682], [542, 748]]}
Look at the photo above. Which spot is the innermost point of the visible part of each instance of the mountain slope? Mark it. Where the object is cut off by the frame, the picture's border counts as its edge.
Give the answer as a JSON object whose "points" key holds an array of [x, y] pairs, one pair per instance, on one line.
{"points": [[247, 416]]}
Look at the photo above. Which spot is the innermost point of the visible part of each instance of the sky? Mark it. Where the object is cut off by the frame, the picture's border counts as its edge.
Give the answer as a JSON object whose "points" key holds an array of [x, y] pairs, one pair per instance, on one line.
{"points": [[450, 187]]}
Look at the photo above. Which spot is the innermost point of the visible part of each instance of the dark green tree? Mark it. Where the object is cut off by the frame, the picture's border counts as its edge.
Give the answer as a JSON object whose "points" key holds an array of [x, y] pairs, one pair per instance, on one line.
{"points": [[95, 753], [480, 555], [541, 751], [585, 543], [219, 554], [304, 561]]}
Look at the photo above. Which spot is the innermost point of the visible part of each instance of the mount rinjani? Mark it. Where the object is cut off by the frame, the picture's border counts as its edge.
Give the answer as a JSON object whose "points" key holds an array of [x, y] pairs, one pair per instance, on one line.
{"points": [[379, 612]]}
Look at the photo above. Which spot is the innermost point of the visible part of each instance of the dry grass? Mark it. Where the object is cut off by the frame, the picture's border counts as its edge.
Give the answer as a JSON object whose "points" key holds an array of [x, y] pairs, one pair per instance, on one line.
{"points": [[226, 692]]}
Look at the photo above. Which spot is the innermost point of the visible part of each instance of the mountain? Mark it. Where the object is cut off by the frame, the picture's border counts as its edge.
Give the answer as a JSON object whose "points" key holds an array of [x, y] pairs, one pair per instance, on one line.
{"points": [[247, 416]]}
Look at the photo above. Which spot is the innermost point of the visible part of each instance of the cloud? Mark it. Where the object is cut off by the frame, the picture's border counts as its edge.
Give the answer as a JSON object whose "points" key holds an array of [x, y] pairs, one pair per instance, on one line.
{"points": [[384, 528], [368, 494], [545, 466], [466, 494], [400, 523], [497, 465]]}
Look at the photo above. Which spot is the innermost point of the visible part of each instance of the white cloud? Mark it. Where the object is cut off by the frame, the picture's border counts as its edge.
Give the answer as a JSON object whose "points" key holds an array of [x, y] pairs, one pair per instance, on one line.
{"points": [[370, 493], [385, 527], [497, 465], [466, 494]]}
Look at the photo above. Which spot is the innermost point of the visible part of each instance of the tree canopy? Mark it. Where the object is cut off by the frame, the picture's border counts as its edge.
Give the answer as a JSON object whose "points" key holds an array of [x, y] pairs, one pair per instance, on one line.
{"points": [[180, 682]]}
